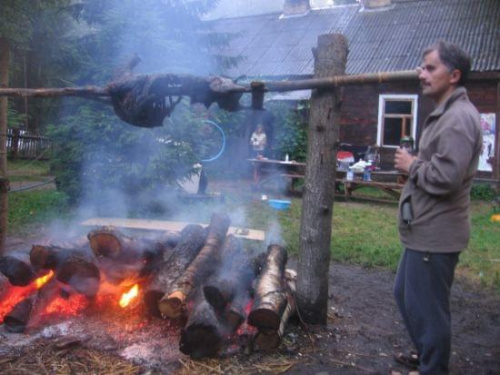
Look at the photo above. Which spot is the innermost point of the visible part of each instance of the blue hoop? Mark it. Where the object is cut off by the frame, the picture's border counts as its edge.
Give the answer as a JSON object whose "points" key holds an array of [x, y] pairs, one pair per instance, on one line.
{"points": [[223, 146]]}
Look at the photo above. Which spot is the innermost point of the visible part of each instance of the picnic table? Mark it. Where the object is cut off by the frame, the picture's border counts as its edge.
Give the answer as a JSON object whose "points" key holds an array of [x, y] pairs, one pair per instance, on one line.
{"points": [[390, 182], [272, 169]]}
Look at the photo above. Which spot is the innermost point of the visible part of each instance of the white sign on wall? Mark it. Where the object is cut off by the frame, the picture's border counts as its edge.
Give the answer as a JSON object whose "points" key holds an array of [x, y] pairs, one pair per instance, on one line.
{"points": [[488, 124]]}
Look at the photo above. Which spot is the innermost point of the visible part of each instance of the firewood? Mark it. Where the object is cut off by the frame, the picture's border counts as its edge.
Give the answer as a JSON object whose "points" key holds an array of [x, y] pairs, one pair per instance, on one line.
{"points": [[17, 268], [5, 286], [172, 305], [270, 294], [166, 272], [125, 260], [228, 292], [112, 243], [18, 318], [271, 340], [74, 267], [203, 333]]}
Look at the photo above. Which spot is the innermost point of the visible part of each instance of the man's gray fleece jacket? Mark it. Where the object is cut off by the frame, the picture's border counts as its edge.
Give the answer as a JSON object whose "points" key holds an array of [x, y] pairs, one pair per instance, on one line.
{"points": [[440, 179]]}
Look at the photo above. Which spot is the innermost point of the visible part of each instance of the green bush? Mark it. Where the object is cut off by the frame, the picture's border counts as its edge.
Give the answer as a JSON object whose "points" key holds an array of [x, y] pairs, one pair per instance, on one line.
{"points": [[483, 192], [95, 153]]}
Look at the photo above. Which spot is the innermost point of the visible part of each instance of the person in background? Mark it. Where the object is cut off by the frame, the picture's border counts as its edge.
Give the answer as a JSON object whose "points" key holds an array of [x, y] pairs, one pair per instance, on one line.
{"points": [[433, 215], [258, 140]]}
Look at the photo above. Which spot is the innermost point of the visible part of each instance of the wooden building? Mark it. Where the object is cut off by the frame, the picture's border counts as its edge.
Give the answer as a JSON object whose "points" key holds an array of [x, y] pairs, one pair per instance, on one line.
{"points": [[383, 36]]}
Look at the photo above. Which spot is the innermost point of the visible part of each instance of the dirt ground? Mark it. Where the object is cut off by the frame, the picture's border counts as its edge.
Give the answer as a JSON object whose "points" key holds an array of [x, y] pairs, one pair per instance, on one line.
{"points": [[364, 330]]}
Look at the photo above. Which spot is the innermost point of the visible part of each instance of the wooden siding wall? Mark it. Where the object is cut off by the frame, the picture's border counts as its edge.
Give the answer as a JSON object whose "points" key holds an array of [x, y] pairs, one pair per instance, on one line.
{"points": [[359, 114]]}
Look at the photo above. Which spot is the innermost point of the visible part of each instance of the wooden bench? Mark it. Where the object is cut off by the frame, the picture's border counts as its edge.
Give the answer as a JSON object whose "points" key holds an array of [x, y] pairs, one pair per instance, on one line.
{"points": [[391, 188], [167, 226]]}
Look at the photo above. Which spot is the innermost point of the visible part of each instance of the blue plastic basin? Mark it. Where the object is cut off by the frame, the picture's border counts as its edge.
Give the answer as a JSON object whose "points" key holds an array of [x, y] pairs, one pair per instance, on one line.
{"points": [[279, 204]]}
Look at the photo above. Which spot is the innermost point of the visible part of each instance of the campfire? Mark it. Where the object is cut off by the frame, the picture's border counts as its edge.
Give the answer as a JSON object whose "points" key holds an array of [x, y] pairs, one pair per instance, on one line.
{"points": [[201, 280]]}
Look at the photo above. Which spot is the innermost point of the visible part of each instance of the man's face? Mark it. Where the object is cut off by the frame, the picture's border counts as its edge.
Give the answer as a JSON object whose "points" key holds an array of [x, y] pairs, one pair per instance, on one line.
{"points": [[436, 80]]}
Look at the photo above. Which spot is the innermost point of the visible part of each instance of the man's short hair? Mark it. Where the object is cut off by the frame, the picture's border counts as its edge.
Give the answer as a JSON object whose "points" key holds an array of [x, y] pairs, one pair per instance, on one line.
{"points": [[453, 57]]}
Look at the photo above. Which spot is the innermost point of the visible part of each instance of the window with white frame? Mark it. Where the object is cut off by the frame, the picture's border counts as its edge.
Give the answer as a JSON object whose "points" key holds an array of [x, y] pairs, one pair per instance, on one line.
{"points": [[397, 118]]}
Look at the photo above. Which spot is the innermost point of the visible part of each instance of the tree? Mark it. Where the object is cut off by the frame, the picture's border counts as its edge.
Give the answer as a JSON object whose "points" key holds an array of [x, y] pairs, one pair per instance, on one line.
{"points": [[94, 150], [16, 28]]}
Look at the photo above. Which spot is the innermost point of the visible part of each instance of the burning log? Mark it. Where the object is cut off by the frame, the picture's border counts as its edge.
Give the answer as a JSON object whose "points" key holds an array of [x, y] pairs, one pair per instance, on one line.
{"points": [[125, 259], [229, 292], [204, 332], [204, 265], [18, 318], [266, 340], [17, 268], [165, 274], [270, 295], [74, 267]]}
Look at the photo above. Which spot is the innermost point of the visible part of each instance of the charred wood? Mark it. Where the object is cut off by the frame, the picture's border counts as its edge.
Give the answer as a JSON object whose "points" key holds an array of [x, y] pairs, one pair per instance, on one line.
{"points": [[167, 271], [17, 268], [18, 318], [203, 334], [127, 260], [270, 294], [172, 305], [229, 291], [74, 267]]}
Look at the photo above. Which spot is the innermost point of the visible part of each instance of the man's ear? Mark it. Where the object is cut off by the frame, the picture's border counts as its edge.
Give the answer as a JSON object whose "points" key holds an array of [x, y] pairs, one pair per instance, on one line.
{"points": [[455, 76]]}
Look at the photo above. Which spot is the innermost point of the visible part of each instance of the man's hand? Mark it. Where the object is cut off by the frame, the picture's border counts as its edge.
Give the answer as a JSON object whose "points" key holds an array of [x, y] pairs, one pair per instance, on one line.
{"points": [[403, 160]]}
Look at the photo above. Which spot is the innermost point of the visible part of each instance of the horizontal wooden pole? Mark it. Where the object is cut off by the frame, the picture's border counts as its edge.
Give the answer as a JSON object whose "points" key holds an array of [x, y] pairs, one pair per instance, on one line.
{"points": [[266, 86], [321, 83]]}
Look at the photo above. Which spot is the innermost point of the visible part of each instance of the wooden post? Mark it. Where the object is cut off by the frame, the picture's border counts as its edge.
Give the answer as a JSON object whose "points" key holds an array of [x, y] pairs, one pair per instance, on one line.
{"points": [[317, 202], [4, 191], [4, 182]]}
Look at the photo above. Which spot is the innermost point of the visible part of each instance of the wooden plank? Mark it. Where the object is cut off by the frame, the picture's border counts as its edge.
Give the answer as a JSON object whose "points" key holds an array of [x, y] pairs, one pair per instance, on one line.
{"points": [[168, 226]]}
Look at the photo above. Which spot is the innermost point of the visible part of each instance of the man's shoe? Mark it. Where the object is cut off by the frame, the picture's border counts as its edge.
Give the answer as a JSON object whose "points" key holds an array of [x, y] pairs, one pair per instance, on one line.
{"points": [[410, 360]]}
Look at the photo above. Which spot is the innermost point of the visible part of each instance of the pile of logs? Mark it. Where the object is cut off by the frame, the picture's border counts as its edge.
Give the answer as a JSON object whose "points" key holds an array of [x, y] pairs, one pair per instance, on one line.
{"points": [[202, 277]]}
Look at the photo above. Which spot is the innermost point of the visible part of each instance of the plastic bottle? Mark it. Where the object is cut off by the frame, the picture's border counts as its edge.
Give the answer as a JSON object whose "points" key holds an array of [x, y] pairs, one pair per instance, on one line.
{"points": [[367, 175], [349, 175], [287, 159]]}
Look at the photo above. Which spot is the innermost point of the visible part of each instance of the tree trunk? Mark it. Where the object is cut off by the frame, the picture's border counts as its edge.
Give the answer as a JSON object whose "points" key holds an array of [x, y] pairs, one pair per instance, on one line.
{"points": [[4, 183], [317, 201]]}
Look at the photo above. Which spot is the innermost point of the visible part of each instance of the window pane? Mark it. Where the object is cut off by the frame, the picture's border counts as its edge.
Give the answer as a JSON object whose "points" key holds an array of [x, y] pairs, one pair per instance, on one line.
{"points": [[398, 107], [408, 127], [392, 131]]}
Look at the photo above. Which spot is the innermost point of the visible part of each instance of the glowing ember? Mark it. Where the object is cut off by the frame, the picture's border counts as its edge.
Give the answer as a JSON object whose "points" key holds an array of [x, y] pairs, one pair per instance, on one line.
{"points": [[129, 296], [13, 297], [66, 307], [41, 281]]}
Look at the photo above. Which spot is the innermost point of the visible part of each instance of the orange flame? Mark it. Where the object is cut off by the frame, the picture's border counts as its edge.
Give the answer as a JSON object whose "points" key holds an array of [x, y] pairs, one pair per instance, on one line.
{"points": [[41, 281], [129, 296]]}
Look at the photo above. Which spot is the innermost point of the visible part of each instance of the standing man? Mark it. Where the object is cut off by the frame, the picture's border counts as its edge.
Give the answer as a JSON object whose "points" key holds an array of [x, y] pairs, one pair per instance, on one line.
{"points": [[434, 207]]}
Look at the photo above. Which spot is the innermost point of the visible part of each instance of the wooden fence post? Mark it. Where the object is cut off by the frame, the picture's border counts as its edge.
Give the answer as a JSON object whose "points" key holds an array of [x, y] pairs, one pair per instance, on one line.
{"points": [[4, 191], [317, 201]]}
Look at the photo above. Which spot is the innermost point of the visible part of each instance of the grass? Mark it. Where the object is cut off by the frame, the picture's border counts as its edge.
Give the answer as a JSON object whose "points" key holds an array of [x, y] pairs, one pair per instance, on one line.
{"points": [[366, 234], [27, 169], [32, 207], [363, 233]]}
